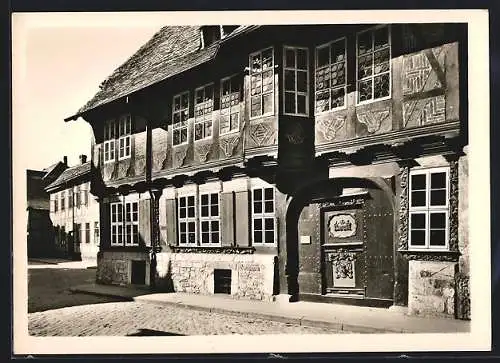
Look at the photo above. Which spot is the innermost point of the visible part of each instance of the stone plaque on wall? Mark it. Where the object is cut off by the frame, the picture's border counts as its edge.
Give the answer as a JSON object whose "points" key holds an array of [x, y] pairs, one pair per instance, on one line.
{"points": [[342, 226]]}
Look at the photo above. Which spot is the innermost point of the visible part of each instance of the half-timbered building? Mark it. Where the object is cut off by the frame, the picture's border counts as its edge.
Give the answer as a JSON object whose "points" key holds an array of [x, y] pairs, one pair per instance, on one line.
{"points": [[315, 162]]}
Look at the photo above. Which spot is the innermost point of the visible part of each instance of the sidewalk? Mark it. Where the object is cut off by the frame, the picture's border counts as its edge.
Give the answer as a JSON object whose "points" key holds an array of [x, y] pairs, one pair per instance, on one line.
{"points": [[337, 316]]}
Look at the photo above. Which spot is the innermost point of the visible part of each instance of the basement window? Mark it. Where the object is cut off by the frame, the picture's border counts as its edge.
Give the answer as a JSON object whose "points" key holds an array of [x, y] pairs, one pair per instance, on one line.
{"points": [[222, 281]]}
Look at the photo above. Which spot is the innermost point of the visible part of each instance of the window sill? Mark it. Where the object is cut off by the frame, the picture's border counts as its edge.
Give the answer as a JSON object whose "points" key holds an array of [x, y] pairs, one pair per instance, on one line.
{"points": [[430, 255], [363, 103], [213, 249]]}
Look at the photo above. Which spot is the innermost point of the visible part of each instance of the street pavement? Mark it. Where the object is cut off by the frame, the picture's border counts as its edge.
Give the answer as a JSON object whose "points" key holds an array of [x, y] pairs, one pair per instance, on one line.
{"points": [[141, 319]]}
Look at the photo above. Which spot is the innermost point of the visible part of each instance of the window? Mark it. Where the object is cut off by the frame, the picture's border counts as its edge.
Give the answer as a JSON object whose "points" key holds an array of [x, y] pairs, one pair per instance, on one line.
{"points": [[87, 232], [187, 220], [263, 218], [56, 207], [204, 105], [124, 131], [229, 105], [373, 64], [77, 197], [180, 116], [85, 196], [296, 80], [429, 192], [63, 199], [125, 224], [331, 63], [109, 140], [96, 233], [209, 219], [77, 233], [262, 83], [70, 198]]}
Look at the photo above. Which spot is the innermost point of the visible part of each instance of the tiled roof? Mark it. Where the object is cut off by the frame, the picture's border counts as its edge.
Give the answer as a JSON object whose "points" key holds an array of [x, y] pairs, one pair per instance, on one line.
{"points": [[50, 168], [172, 50], [69, 175]]}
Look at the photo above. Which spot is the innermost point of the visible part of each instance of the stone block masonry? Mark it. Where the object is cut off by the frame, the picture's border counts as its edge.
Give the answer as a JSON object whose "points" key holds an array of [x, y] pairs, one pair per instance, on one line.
{"points": [[115, 267], [252, 275]]}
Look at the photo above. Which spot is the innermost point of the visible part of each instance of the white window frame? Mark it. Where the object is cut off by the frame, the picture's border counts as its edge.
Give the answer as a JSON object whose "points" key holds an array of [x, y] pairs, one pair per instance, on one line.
{"points": [[263, 215], [109, 147], [272, 112], [372, 76], [329, 45], [428, 209], [124, 140], [177, 126], [210, 218], [116, 225], [232, 109], [63, 200], [296, 71], [97, 233], [187, 220], [204, 118]]}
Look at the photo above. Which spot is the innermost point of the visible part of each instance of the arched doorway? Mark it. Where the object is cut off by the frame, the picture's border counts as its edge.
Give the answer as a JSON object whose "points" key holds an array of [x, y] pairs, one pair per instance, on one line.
{"points": [[340, 242]]}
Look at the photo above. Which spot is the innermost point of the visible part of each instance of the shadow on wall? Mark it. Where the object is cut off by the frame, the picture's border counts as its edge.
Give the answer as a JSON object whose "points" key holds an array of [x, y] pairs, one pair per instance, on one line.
{"points": [[164, 283]]}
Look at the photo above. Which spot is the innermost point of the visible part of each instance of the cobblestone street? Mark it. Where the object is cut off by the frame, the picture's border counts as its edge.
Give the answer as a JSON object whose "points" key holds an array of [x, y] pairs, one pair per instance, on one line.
{"points": [[135, 318]]}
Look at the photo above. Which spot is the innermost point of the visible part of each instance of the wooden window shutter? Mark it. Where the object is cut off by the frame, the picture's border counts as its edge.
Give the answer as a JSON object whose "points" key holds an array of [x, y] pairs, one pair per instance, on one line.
{"points": [[243, 218], [105, 222], [227, 219], [144, 223], [163, 222], [170, 206]]}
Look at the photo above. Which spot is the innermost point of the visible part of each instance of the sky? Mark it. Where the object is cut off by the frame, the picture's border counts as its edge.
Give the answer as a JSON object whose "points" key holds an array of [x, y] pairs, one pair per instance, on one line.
{"points": [[57, 68]]}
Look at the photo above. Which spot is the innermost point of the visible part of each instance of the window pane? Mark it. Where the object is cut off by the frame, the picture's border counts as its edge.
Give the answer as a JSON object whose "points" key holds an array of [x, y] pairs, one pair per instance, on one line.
{"points": [[215, 237], [257, 237], [267, 59], [269, 236], [204, 211], [204, 199], [322, 101], [214, 198], [183, 238], [338, 97], [301, 104], [214, 210], [269, 224], [365, 90], [338, 51], [289, 58], [191, 212], [191, 227], [417, 221], [257, 194], [204, 226], [190, 201], [437, 238], [364, 42], [322, 56], [418, 182], [269, 207], [302, 81], [182, 213], [205, 238], [365, 66], [381, 86], [438, 180], [255, 63], [256, 106], [301, 59], [290, 80], [418, 199], [438, 197], [257, 224], [438, 220], [289, 102], [381, 61], [183, 227], [192, 237], [257, 207], [214, 226], [417, 238], [381, 37], [185, 100]]}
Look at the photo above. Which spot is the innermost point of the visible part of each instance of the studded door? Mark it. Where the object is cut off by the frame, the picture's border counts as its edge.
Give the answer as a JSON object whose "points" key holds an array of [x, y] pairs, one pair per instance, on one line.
{"points": [[357, 234]]}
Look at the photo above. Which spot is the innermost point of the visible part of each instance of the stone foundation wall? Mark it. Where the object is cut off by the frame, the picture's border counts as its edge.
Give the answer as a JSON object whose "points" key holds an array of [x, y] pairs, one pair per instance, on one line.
{"points": [[431, 288], [115, 267], [251, 275]]}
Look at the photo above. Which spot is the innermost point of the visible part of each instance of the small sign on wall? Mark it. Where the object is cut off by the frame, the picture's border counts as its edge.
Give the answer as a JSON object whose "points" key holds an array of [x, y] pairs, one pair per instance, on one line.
{"points": [[305, 240]]}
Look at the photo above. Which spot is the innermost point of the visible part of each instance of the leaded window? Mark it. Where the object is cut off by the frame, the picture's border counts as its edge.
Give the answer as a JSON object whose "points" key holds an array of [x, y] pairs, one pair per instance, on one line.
{"points": [[180, 116], [262, 83], [229, 105], [204, 106], [296, 80], [373, 64], [331, 63]]}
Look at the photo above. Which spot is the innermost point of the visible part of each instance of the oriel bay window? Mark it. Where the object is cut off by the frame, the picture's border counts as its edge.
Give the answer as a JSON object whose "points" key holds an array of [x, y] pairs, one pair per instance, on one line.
{"points": [[109, 140], [209, 219], [373, 64], [117, 131], [124, 131], [229, 105], [125, 223], [262, 83], [428, 219], [263, 216], [331, 62], [187, 220], [296, 81], [204, 105], [180, 116]]}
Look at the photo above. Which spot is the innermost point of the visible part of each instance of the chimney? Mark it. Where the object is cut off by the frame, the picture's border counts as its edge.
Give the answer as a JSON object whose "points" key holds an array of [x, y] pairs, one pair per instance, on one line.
{"points": [[83, 159], [65, 160]]}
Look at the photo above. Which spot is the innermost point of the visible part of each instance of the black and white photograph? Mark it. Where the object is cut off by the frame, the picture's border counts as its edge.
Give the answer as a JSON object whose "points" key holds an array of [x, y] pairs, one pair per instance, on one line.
{"points": [[302, 182]]}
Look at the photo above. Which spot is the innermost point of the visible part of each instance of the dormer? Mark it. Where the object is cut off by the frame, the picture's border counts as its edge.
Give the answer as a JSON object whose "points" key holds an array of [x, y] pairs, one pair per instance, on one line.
{"points": [[211, 33]]}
